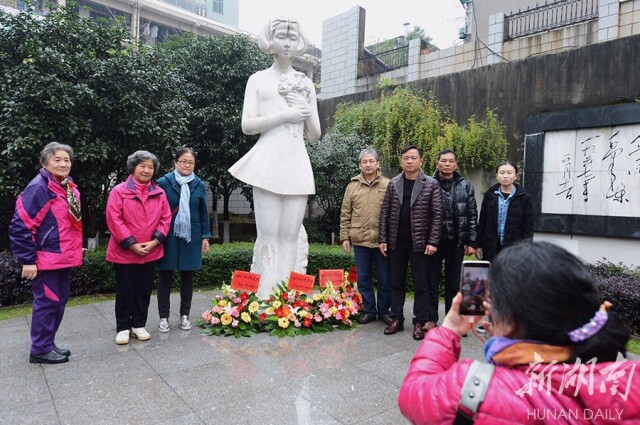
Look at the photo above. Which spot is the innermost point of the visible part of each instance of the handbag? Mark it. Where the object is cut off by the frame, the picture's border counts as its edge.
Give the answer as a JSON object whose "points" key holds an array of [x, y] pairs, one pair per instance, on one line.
{"points": [[473, 392]]}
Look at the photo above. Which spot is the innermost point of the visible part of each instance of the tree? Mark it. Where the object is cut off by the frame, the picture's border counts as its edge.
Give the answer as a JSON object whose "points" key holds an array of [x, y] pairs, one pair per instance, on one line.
{"points": [[86, 83], [418, 32], [400, 117], [216, 70], [334, 160]]}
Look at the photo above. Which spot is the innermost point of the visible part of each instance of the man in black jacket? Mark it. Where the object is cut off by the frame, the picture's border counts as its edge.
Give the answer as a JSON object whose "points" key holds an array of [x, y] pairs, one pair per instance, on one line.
{"points": [[410, 228], [459, 227]]}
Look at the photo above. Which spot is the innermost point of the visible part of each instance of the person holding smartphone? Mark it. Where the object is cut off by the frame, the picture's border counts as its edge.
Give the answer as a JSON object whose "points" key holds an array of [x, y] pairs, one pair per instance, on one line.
{"points": [[548, 320]]}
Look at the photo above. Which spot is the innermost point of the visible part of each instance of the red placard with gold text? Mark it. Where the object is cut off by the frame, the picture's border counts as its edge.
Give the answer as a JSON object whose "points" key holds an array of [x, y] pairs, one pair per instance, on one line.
{"points": [[353, 275], [335, 276], [245, 281], [301, 282]]}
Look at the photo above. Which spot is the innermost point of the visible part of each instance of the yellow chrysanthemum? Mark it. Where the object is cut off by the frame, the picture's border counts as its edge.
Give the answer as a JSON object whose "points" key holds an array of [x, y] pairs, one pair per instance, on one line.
{"points": [[333, 310], [222, 303], [276, 304], [245, 317], [283, 322], [303, 313], [226, 319], [270, 311], [253, 307], [317, 297], [349, 304]]}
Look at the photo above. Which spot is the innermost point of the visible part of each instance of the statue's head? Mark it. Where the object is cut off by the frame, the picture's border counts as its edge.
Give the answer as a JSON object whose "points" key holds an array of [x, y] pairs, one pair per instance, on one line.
{"points": [[282, 24]]}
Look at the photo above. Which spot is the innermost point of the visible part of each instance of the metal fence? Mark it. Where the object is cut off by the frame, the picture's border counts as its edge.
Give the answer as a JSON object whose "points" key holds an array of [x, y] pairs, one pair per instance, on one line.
{"points": [[372, 64], [550, 16]]}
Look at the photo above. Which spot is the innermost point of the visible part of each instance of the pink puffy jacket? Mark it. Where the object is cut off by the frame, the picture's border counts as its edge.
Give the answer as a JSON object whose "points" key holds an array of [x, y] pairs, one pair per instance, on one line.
{"points": [[132, 218], [432, 390]]}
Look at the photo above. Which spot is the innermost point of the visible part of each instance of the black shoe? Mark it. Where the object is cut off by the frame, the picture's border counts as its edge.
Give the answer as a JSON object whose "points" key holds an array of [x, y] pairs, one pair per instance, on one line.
{"points": [[418, 331], [367, 318], [386, 319], [62, 351], [50, 358], [395, 326]]}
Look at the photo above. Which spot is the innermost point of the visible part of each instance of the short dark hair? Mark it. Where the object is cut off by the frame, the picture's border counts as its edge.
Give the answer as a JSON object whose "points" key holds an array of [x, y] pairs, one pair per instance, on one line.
{"points": [[446, 151], [507, 162], [408, 148], [543, 291], [183, 150]]}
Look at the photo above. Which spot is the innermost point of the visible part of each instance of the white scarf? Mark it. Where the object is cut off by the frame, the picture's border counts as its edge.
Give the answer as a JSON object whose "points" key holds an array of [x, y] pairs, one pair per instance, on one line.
{"points": [[182, 225]]}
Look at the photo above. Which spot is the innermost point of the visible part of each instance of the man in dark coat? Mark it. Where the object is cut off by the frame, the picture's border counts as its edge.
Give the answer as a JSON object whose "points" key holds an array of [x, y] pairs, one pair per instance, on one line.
{"points": [[460, 224], [410, 228]]}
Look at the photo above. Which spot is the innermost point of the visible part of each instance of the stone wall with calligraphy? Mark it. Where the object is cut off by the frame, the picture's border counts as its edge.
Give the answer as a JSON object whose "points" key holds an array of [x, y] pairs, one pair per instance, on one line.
{"points": [[582, 169], [592, 171]]}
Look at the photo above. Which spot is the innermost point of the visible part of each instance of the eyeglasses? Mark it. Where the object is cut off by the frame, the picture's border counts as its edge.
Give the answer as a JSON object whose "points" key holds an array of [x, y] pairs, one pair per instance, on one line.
{"points": [[186, 163]]}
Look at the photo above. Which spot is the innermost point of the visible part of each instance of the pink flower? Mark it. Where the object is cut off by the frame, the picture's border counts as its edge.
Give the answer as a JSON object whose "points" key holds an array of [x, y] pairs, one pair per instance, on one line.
{"points": [[234, 323], [317, 318], [234, 312], [215, 321], [237, 300]]}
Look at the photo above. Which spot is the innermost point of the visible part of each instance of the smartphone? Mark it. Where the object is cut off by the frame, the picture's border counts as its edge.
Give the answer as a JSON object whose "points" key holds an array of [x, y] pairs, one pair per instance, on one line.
{"points": [[474, 286]]}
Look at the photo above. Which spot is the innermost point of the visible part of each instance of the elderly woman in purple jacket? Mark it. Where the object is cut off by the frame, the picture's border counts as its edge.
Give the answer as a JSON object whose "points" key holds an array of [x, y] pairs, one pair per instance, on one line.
{"points": [[46, 237]]}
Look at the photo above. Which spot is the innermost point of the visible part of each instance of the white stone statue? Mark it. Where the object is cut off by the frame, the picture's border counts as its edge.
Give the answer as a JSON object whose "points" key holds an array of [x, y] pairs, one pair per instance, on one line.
{"points": [[280, 105]]}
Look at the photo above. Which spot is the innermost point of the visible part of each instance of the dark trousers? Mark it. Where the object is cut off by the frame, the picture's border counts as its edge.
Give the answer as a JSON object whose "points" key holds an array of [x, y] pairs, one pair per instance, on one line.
{"points": [[50, 296], [366, 260], [164, 291], [134, 283], [451, 255], [425, 306]]}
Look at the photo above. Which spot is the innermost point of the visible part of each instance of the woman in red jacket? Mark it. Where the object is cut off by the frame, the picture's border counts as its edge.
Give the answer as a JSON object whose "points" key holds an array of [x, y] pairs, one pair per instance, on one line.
{"points": [[554, 347], [138, 217]]}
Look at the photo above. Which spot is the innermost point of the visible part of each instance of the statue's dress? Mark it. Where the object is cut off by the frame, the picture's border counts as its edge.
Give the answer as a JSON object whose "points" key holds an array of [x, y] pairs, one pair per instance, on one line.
{"points": [[278, 162]]}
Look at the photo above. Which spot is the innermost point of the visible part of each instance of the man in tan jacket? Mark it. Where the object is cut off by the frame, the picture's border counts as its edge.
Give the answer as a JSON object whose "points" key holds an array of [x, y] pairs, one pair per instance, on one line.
{"points": [[359, 222]]}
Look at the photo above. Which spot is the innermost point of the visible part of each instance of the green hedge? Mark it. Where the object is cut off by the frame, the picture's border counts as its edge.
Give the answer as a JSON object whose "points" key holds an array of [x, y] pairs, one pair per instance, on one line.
{"points": [[97, 276]]}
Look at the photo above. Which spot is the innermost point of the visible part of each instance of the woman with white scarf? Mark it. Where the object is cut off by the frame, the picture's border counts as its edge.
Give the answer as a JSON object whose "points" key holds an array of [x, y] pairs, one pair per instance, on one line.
{"points": [[188, 237]]}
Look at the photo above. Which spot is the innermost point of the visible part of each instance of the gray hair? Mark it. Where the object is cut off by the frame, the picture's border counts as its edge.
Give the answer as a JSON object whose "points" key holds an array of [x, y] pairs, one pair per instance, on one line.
{"points": [[51, 148], [140, 156], [368, 151], [265, 37]]}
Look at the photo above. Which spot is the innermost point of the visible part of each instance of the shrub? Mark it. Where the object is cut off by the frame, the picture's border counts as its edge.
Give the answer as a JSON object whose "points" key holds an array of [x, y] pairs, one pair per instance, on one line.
{"points": [[13, 289], [621, 286]]}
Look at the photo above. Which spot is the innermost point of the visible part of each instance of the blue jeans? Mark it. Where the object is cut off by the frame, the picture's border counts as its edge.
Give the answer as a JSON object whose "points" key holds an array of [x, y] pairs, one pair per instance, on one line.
{"points": [[366, 259]]}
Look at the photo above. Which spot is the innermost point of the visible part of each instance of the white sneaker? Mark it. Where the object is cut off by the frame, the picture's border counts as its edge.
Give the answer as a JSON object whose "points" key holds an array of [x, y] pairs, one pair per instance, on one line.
{"points": [[163, 326], [185, 324], [481, 329], [122, 338], [140, 333]]}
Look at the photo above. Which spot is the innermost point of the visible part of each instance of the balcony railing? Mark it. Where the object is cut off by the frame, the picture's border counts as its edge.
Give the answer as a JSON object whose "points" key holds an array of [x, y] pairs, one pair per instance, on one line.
{"points": [[372, 64], [550, 16], [197, 7]]}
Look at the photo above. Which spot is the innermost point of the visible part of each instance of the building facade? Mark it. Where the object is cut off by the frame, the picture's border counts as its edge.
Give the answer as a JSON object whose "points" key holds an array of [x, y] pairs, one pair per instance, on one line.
{"points": [[496, 31]]}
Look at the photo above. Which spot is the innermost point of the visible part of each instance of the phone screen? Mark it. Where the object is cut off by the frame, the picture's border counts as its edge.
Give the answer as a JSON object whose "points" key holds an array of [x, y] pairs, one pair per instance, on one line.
{"points": [[474, 286]]}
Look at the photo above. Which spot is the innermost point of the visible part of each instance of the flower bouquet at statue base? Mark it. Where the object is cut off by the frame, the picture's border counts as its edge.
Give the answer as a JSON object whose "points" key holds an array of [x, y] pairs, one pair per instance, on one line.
{"points": [[291, 313], [233, 313]]}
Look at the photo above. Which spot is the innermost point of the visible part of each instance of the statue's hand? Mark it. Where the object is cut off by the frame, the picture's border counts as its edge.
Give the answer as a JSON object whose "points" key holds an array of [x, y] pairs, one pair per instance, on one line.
{"points": [[296, 99], [295, 114]]}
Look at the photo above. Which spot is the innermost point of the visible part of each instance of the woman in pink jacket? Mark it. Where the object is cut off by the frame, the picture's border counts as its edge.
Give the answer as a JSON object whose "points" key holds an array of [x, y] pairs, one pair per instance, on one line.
{"points": [[138, 217], [554, 348], [46, 237]]}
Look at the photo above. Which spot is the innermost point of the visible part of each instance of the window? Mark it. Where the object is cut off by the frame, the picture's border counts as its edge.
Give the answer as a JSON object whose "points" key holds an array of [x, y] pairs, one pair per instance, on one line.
{"points": [[218, 6]]}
